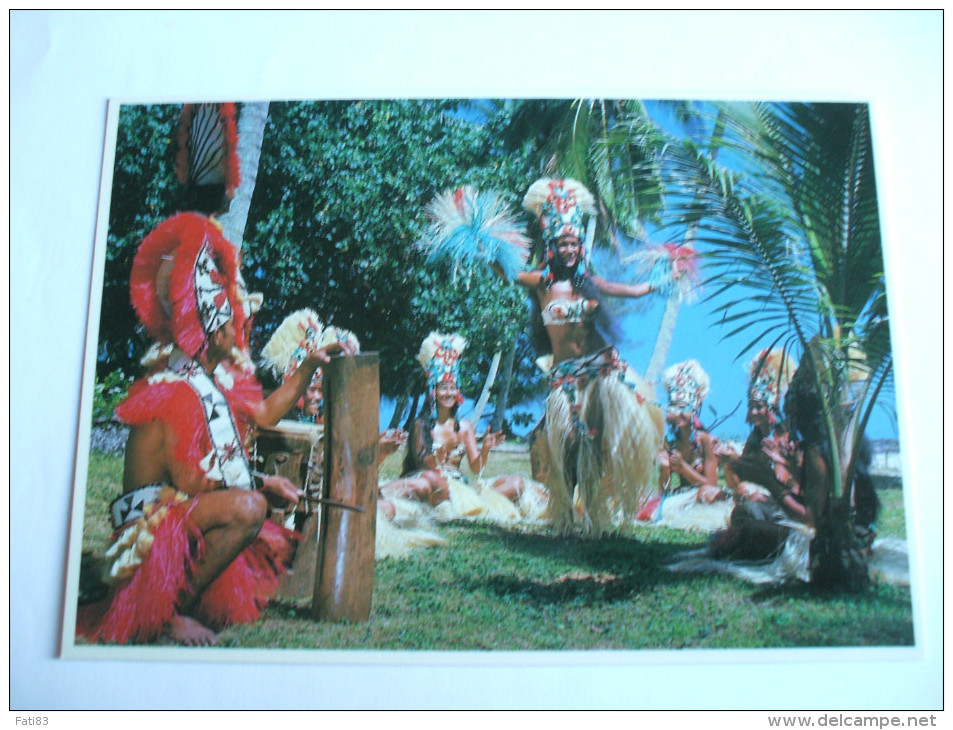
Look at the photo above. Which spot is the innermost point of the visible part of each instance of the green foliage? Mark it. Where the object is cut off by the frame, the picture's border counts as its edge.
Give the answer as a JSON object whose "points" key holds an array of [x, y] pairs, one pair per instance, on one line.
{"points": [[144, 191], [108, 391], [338, 203]]}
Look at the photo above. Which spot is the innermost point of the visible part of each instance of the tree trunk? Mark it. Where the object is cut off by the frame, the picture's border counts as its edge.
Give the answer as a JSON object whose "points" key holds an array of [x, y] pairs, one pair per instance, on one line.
{"points": [[251, 132], [399, 409], [838, 552], [663, 341], [504, 394]]}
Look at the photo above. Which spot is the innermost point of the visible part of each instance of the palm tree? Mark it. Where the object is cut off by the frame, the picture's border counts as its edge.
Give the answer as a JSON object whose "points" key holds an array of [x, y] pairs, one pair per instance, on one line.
{"points": [[596, 141], [794, 223], [251, 131]]}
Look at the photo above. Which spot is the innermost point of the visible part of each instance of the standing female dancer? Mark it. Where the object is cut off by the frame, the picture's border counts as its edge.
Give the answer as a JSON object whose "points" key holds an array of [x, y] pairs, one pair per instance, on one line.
{"points": [[602, 429]]}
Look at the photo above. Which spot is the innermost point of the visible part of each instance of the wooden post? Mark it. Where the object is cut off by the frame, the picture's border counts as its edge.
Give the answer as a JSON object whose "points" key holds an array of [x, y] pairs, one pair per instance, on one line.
{"points": [[344, 578]]}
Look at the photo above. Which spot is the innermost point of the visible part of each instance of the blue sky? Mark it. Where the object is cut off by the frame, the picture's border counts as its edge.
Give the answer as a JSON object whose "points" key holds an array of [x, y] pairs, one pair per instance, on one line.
{"points": [[699, 336]]}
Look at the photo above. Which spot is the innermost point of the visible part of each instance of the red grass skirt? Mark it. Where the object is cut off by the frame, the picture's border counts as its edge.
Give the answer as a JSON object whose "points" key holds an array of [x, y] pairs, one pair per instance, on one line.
{"points": [[139, 609]]}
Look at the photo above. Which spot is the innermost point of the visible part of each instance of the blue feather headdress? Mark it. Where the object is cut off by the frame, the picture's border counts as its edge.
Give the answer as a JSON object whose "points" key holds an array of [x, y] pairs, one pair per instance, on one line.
{"points": [[470, 226]]}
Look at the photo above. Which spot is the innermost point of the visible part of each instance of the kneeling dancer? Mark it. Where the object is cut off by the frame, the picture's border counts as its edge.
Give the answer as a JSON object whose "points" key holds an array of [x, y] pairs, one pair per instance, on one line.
{"points": [[192, 551]]}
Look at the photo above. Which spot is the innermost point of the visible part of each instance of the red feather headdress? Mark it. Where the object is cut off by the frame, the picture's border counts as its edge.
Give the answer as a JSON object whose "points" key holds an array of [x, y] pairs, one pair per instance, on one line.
{"points": [[184, 283]]}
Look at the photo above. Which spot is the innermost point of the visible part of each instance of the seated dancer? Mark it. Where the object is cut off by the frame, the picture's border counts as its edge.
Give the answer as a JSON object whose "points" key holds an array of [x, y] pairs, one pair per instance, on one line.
{"points": [[689, 497], [796, 475], [687, 452], [777, 538], [439, 441], [757, 526], [192, 551], [602, 429], [287, 349], [769, 375], [284, 353]]}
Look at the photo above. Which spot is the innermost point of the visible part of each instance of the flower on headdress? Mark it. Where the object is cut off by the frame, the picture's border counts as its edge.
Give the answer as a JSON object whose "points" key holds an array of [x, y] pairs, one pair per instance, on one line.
{"points": [[559, 204], [687, 385]]}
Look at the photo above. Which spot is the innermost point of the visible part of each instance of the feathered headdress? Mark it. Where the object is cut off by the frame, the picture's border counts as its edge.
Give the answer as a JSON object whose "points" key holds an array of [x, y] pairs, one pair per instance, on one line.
{"points": [[184, 283], [301, 333], [468, 225], [770, 374], [440, 358], [687, 385], [560, 205], [207, 159], [291, 342]]}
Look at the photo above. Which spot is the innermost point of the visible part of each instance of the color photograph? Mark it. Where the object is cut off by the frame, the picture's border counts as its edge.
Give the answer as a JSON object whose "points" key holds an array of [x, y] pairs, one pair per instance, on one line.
{"points": [[582, 374], [476, 359]]}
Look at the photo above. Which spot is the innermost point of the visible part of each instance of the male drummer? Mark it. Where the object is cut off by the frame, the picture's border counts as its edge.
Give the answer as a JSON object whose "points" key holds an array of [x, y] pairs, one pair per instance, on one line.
{"points": [[192, 551]]}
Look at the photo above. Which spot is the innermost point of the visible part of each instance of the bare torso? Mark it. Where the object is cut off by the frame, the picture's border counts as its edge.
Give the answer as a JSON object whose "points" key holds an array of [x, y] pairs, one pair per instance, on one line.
{"points": [[451, 444], [149, 460], [573, 336]]}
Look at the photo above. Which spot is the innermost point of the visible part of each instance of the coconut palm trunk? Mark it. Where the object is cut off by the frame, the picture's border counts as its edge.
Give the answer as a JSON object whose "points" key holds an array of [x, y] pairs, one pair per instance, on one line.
{"points": [[251, 132], [666, 330]]}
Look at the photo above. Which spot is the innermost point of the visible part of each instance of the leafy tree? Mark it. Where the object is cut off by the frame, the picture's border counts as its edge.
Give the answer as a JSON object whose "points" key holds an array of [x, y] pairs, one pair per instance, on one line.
{"points": [[338, 206], [144, 191]]}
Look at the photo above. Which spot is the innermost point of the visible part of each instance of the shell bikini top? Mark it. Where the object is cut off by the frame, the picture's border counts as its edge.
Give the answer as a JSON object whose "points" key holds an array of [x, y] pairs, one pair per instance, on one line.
{"points": [[569, 311]]}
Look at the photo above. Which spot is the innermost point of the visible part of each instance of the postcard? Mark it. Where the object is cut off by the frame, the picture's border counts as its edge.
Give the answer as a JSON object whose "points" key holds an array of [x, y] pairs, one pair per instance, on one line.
{"points": [[580, 403], [423, 374]]}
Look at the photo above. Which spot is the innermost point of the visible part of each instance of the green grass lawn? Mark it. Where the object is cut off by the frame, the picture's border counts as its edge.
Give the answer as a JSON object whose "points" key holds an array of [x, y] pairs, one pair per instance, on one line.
{"points": [[521, 588]]}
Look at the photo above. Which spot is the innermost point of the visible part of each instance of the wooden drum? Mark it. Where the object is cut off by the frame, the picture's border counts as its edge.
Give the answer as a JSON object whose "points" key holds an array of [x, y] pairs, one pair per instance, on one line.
{"points": [[294, 450]]}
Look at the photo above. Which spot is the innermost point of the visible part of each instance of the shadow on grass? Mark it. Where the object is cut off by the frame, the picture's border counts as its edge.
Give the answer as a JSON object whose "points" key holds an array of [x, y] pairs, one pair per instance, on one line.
{"points": [[613, 568], [872, 594], [618, 567]]}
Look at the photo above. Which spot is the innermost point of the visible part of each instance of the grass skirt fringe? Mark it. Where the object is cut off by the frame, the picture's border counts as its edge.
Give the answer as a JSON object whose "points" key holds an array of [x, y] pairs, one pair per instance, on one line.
{"points": [[600, 465]]}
